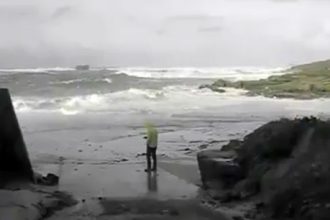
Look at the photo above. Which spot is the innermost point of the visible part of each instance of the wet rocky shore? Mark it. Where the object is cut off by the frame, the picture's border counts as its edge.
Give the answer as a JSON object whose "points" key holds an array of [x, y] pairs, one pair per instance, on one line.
{"points": [[279, 171]]}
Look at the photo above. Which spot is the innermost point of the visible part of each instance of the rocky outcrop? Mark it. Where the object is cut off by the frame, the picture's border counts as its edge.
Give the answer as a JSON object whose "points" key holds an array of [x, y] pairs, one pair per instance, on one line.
{"points": [[307, 81], [14, 160], [82, 67], [218, 168], [49, 180], [212, 87], [285, 164], [32, 204]]}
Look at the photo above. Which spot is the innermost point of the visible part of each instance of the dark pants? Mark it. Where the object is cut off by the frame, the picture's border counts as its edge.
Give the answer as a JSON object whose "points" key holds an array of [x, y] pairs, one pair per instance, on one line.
{"points": [[151, 152]]}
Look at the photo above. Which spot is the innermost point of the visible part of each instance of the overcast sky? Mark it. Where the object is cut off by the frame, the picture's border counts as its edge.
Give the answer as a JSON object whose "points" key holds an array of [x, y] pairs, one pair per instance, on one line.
{"points": [[49, 33]]}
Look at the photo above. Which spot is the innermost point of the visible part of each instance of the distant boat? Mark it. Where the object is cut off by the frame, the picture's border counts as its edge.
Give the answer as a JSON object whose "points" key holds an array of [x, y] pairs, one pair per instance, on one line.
{"points": [[82, 67]]}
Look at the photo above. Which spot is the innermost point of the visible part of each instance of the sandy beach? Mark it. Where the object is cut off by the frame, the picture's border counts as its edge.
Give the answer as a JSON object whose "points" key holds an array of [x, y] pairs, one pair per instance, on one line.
{"points": [[95, 167]]}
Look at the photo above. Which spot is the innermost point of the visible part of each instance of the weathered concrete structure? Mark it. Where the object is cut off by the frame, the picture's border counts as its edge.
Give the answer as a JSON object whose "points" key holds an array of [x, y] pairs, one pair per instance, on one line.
{"points": [[14, 159]]}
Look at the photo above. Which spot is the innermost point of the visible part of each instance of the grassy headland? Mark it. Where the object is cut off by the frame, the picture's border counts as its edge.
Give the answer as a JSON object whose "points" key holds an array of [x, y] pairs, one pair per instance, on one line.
{"points": [[306, 81]]}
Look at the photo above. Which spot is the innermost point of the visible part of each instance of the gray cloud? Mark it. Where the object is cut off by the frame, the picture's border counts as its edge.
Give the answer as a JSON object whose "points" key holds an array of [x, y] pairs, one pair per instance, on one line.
{"points": [[210, 29], [195, 17], [163, 33], [191, 23], [61, 12], [9, 12]]}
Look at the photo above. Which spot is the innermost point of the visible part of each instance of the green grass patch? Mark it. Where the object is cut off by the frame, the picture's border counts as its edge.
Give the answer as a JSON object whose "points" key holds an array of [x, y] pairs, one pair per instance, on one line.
{"points": [[300, 84]]}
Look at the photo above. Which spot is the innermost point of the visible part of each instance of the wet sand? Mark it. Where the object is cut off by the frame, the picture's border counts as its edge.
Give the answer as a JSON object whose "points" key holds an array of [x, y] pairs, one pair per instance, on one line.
{"points": [[102, 164], [125, 191]]}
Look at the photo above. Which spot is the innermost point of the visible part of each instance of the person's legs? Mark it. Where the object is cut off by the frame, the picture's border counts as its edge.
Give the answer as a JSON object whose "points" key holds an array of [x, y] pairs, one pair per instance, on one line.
{"points": [[148, 155], [154, 158]]}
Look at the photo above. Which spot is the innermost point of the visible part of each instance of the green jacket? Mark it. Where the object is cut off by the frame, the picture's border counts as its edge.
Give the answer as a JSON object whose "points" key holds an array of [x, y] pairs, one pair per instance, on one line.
{"points": [[152, 136]]}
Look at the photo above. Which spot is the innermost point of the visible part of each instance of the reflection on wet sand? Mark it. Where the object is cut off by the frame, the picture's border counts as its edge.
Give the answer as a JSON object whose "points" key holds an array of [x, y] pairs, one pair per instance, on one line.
{"points": [[152, 182]]}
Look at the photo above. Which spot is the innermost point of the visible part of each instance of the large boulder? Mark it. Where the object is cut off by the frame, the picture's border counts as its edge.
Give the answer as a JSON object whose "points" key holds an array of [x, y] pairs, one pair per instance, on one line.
{"points": [[298, 187], [285, 164], [82, 67], [49, 180], [14, 159], [218, 168]]}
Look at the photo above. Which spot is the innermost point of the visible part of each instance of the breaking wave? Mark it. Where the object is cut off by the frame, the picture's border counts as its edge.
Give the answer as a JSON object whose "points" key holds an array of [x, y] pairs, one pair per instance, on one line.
{"points": [[77, 81], [125, 90], [134, 100], [38, 70], [230, 73]]}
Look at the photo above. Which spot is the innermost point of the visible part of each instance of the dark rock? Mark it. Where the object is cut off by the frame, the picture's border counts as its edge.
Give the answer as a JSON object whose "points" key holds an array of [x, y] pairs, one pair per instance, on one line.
{"points": [[194, 142], [216, 194], [49, 180], [304, 209], [284, 163], [250, 215], [213, 88], [237, 217], [82, 67], [216, 141], [221, 195], [185, 149], [203, 146], [214, 165], [37, 177], [246, 188], [52, 179], [64, 200], [233, 145], [211, 202], [141, 155], [206, 86], [174, 212], [259, 205]]}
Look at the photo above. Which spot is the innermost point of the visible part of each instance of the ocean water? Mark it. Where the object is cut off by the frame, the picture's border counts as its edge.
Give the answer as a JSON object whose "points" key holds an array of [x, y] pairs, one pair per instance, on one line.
{"points": [[124, 90], [59, 109]]}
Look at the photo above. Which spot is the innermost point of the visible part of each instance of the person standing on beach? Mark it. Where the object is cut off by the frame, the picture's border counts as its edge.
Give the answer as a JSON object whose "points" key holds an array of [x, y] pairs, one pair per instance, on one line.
{"points": [[152, 142]]}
